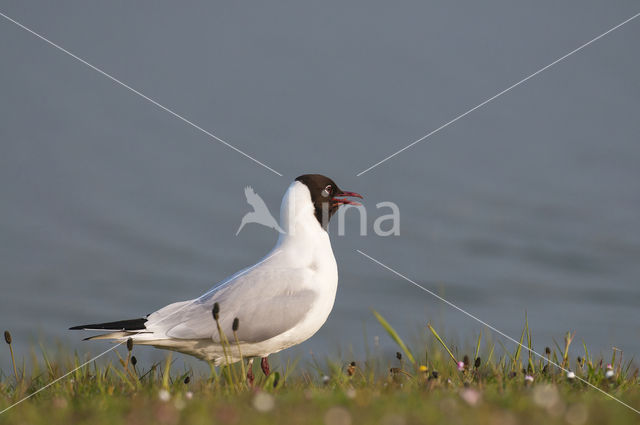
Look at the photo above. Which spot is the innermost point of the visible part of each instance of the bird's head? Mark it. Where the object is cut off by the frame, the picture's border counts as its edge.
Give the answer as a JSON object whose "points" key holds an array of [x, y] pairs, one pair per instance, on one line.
{"points": [[326, 196]]}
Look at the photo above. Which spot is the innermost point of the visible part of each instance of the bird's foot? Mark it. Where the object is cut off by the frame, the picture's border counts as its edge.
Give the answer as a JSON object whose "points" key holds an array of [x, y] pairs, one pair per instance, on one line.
{"points": [[264, 363]]}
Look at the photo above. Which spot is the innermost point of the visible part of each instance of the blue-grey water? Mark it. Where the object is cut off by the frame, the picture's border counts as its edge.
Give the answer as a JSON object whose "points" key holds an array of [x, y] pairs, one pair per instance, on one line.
{"points": [[111, 208]]}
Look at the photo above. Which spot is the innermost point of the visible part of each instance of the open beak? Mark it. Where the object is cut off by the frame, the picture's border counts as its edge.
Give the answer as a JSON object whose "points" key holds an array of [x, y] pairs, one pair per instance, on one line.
{"points": [[338, 200]]}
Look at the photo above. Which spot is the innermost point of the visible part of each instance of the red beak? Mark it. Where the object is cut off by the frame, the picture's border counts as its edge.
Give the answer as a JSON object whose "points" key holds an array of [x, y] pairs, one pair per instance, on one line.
{"points": [[337, 199]]}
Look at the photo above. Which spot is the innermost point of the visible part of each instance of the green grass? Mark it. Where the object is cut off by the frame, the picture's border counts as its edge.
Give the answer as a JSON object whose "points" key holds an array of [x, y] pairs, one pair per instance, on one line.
{"points": [[421, 385]]}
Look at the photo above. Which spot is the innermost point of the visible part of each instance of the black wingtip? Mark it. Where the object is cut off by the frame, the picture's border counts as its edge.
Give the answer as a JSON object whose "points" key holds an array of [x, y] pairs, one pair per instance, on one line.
{"points": [[121, 325]]}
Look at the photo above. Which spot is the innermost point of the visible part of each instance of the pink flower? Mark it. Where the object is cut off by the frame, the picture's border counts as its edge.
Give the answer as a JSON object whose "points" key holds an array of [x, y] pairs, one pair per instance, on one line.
{"points": [[460, 366], [471, 396]]}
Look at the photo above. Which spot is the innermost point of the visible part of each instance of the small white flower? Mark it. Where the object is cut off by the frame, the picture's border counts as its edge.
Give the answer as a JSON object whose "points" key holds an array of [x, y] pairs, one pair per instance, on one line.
{"points": [[546, 396], [263, 402], [609, 374], [164, 395], [528, 378], [188, 395], [325, 379], [571, 375]]}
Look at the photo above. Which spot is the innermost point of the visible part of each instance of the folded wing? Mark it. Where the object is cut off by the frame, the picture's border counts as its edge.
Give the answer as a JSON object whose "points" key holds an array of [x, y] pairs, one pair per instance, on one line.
{"points": [[267, 302]]}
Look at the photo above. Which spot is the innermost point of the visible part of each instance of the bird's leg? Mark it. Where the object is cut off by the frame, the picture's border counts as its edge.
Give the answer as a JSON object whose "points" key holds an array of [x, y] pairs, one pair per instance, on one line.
{"points": [[250, 376], [265, 366]]}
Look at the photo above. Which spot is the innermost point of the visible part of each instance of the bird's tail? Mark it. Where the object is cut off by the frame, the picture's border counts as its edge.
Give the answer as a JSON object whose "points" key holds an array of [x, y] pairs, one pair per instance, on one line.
{"points": [[114, 335]]}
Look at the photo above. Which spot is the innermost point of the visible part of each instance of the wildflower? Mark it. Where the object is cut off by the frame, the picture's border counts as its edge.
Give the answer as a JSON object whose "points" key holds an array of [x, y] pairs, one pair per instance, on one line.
{"points": [[571, 375], [337, 415], [470, 396], [528, 378], [350, 393], [263, 402], [164, 395], [609, 373], [325, 379], [423, 368], [188, 395], [180, 404], [351, 369], [545, 396], [461, 366]]}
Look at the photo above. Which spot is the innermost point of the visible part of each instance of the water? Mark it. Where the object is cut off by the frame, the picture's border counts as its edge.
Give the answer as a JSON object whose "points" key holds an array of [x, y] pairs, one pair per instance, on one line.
{"points": [[111, 208]]}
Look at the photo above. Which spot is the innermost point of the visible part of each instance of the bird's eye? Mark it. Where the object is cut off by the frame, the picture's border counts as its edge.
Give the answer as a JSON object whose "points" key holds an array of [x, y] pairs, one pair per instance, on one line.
{"points": [[326, 191]]}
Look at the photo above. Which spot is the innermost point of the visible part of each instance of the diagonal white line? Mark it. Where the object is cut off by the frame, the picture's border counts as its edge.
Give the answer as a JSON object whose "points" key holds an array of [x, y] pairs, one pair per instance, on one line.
{"points": [[480, 105], [493, 328], [60, 378], [131, 89]]}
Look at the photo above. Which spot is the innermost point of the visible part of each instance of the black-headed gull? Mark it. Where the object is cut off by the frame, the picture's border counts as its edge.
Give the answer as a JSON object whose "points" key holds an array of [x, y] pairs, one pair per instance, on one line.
{"points": [[279, 302]]}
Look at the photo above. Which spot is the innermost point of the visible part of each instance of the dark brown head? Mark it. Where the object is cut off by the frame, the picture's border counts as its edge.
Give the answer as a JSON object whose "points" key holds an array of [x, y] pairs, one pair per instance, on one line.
{"points": [[326, 196]]}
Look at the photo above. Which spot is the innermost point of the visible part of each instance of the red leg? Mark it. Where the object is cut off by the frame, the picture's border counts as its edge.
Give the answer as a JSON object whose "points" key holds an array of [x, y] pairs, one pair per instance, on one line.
{"points": [[265, 366]]}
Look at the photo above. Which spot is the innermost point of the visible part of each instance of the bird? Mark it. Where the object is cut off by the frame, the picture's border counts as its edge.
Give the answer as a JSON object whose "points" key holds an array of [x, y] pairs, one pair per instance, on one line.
{"points": [[279, 302], [260, 213]]}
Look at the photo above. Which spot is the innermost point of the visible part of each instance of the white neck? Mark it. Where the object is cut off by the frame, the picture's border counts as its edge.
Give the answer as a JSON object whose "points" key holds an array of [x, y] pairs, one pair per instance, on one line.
{"points": [[297, 213], [303, 236]]}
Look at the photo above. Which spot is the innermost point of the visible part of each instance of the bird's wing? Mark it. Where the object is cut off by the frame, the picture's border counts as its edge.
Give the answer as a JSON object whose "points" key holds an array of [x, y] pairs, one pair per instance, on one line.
{"points": [[255, 200], [267, 302]]}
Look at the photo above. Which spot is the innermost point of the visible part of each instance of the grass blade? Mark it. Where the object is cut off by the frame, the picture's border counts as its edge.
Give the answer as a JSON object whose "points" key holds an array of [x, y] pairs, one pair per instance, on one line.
{"points": [[435, 334], [394, 335]]}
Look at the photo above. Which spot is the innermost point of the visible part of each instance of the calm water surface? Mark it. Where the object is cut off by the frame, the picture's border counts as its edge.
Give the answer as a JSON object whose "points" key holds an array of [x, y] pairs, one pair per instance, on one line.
{"points": [[111, 208]]}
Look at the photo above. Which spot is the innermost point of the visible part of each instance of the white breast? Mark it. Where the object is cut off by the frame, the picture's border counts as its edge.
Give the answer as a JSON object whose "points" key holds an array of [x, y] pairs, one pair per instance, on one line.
{"points": [[305, 244]]}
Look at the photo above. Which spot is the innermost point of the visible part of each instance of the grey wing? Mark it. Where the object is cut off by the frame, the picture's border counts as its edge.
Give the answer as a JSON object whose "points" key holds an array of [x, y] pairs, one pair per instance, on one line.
{"points": [[267, 303], [272, 317]]}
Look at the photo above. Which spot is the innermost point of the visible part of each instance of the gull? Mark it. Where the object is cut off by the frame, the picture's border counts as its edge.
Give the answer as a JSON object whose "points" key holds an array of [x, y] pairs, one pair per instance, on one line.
{"points": [[260, 213], [279, 302]]}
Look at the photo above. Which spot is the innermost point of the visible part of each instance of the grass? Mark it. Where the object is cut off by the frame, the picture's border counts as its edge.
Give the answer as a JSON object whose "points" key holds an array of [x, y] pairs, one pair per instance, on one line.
{"points": [[433, 384]]}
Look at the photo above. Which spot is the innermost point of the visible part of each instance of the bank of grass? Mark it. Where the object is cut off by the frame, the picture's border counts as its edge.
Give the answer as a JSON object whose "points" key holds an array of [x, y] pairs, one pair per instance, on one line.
{"points": [[436, 384]]}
